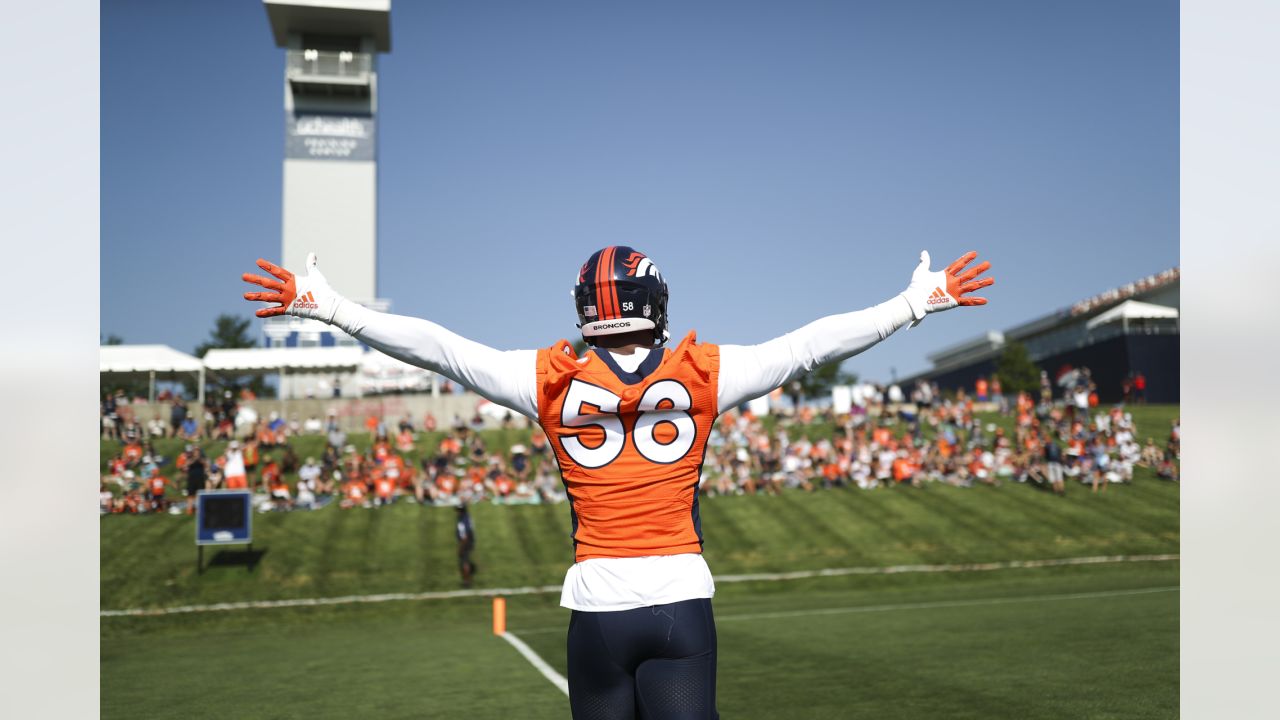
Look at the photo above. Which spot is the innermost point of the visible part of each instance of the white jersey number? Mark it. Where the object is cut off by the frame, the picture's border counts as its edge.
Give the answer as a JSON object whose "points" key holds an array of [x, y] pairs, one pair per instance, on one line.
{"points": [[651, 415], [607, 419]]}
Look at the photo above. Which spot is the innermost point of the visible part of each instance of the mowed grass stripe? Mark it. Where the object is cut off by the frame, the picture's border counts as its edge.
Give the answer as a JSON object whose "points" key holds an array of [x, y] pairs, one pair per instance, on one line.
{"points": [[407, 548], [529, 590]]}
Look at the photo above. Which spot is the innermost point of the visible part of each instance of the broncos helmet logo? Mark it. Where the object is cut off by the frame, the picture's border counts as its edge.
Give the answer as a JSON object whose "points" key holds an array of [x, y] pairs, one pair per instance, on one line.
{"points": [[639, 266]]}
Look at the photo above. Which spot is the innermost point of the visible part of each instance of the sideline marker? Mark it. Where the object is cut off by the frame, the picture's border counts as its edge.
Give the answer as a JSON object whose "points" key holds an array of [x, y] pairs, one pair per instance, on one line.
{"points": [[499, 616]]}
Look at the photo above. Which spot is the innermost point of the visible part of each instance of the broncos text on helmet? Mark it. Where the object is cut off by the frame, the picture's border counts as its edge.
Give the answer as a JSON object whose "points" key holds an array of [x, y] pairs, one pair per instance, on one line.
{"points": [[620, 290]]}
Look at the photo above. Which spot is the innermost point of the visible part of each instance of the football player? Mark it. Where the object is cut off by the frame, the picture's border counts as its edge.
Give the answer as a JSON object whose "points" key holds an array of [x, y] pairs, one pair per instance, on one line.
{"points": [[629, 421]]}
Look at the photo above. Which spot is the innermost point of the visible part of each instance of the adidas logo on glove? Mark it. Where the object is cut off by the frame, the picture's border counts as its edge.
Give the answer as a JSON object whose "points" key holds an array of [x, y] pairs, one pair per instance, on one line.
{"points": [[306, 302], [938, 297]]}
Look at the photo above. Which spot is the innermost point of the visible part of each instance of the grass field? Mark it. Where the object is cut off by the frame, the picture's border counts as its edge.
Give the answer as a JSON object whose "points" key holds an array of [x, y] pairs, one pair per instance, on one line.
{"points": [[1093, 641]]}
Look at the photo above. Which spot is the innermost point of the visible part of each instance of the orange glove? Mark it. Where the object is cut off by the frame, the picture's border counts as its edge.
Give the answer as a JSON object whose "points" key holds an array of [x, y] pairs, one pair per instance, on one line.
{"points": [[937, 291], [308, 296]]}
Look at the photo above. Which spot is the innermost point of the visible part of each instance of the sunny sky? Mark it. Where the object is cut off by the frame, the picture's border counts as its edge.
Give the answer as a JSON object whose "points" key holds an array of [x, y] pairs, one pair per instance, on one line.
{"points": [[779, 161]]}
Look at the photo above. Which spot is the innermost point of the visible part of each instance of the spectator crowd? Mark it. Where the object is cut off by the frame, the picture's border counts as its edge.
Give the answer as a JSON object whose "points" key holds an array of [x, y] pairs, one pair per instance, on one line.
{"points": [[889, 438]]}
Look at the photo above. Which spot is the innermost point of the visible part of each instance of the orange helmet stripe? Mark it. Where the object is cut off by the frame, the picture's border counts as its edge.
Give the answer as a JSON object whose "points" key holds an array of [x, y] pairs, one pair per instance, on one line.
{"points": [[613, 284], [604, 274]]}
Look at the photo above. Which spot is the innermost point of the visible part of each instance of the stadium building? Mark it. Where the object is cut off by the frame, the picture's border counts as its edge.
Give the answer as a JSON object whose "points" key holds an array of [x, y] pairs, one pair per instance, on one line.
{"points": [[1116, 334], [330, 194]]}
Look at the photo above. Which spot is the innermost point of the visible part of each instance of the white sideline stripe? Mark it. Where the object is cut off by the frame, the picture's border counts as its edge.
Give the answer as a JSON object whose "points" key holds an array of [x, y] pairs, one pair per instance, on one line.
{"points": [[966, 567], [947, 604], [547, 671], [544, 589], [343, 600], [914, 606]]}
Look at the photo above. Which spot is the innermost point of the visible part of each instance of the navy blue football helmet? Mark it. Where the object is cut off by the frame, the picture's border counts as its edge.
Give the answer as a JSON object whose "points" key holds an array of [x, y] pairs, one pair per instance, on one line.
{"points": [[620, 290]]}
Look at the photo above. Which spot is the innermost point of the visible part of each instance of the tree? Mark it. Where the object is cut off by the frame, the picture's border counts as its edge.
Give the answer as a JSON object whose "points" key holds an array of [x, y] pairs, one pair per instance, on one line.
{"points": [[1016, 371], [230, 331], [819, 381]]}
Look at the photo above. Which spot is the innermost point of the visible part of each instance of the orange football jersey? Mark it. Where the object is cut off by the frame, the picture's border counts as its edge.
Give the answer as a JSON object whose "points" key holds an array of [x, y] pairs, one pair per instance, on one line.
{"points": [[630, 445]]}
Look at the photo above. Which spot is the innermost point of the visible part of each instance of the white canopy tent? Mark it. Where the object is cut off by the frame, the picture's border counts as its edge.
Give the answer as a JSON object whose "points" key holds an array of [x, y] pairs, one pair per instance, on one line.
{"points": [[284, 360], [249, 360], [381, 373], [1133, 310], [149, 360]]}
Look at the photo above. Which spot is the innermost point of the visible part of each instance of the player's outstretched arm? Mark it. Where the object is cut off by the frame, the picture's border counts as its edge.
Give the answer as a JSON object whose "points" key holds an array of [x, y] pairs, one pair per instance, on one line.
{"points": [[507, 378], [750, 371]]}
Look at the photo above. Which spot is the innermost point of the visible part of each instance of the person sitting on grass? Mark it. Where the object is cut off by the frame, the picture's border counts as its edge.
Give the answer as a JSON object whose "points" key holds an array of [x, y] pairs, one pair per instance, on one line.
{"points": [[306, 492], [384, 484], [271, 474], [106, 499], [404, 439], [1167, 468], [279, 492], [156, 483], [354, 494]]}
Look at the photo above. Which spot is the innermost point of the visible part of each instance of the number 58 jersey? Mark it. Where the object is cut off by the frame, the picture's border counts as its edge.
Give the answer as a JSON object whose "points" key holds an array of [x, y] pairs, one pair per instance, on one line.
{"points": [[630, 445]]}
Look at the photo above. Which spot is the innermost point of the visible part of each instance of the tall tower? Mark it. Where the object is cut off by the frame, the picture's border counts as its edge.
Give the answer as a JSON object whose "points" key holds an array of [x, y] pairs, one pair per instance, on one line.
{"points": [[330, 149]]}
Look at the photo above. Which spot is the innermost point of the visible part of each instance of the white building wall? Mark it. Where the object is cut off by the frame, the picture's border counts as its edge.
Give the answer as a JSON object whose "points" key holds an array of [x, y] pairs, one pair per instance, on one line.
{"points": [[330, 208]]}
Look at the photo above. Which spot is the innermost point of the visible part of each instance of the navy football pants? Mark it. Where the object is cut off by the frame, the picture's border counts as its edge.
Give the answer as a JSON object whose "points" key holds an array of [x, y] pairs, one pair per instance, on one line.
{"points": [[653, 663]]}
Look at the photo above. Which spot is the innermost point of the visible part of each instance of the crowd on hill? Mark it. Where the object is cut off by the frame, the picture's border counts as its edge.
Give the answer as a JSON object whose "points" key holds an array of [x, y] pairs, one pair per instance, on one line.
{"points": [[890, 437], [459, 469], [943, 441]]}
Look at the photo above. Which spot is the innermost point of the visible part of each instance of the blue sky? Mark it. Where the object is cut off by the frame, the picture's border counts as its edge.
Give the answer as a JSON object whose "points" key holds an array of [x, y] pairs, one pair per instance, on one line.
{"points": [[779, 161]]}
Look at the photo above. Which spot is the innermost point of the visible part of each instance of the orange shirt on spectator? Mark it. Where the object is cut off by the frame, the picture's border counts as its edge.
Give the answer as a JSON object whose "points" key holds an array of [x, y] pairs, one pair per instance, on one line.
{"points": [[881, 436], [271, 473], [404, 441], [384, 486], [831, 471], [354, 490], [503, 485], [903, 469]]}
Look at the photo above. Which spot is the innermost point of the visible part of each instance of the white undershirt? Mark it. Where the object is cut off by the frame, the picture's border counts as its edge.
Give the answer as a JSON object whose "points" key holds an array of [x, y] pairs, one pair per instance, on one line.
{"points": [[509, 378]]}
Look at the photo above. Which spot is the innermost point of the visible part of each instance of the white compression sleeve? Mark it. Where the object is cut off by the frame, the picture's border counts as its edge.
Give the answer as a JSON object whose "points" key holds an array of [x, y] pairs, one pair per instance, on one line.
{"points": [[507, 378], [749, 371]]}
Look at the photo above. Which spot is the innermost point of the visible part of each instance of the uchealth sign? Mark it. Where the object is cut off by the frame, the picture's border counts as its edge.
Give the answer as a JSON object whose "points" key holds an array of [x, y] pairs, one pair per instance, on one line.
{"points": [[329, 137]]}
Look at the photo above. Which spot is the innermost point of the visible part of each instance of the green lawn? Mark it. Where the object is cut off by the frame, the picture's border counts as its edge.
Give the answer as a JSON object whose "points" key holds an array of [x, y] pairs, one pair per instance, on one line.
{"points": [[1009, 644], [1096, 641]]}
